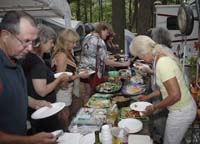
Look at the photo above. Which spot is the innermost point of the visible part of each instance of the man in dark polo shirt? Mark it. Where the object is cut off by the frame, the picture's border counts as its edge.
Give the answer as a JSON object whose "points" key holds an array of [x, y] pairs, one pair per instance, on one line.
{"points": [[18, 31]]}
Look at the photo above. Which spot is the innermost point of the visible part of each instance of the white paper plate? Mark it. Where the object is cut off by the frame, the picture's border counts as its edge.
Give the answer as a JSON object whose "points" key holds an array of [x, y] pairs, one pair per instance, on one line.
{"points": [[140, 65], [90, 72], [56, 75], [139, 106], [44, 112], [57, 133], [87, 139], [131, 125]]}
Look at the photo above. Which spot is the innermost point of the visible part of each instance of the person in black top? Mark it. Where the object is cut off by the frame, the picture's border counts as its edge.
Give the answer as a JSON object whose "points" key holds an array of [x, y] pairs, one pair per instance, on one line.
{"points": [[111, 46], [40, 79], [18, 32]]}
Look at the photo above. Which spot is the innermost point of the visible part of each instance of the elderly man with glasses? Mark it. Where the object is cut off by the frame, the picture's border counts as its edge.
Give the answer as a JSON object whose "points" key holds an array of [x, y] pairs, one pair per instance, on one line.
{"points": [[18, 34]]}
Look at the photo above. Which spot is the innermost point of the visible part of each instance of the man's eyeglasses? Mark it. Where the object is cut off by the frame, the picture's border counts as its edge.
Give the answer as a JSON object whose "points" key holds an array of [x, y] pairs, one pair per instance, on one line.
{"points": [[33, 43]]}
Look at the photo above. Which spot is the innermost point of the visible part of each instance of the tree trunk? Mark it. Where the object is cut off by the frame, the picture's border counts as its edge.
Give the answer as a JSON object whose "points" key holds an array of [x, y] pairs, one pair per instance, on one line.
{"points": [[129, 26], [134, 19], [144, 17], [78, 7], [101, 9], [85, 10], [119, 21], [178, 1], [91, 4], [164, 2]]}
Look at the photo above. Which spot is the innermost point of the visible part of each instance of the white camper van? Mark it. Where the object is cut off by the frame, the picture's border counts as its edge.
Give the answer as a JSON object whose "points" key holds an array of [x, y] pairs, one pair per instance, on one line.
{"points": [[166, 16]]}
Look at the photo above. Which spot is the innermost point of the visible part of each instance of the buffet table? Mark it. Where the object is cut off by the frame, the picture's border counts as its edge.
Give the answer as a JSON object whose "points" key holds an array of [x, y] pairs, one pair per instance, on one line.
{"points": [[91, 117]]}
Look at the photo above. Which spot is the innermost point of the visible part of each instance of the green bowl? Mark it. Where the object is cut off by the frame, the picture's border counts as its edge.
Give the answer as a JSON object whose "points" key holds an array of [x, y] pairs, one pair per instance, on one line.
{"points": [[113, 73]]}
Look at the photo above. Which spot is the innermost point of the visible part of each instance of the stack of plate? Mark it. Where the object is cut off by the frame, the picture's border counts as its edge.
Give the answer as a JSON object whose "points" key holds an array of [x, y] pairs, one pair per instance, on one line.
{"points": [[131, 125]]}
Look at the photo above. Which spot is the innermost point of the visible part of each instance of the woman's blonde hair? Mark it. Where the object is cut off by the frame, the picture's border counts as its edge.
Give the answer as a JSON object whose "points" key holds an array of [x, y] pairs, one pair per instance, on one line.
{"points": [[64, 39], [143, 45]]}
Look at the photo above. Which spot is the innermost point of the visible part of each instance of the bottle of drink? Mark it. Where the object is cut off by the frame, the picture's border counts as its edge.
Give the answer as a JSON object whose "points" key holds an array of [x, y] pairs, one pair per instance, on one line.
{"points": [[97, 140]]}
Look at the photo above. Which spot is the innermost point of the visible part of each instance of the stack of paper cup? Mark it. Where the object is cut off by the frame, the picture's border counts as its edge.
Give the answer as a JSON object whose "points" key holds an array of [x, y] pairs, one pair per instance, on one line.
{"points": [[106, 136]]}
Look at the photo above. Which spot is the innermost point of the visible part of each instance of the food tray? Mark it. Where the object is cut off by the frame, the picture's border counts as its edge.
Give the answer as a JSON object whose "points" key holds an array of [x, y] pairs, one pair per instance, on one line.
{"points": [[98, 103], [90, 116], [109, 87]]}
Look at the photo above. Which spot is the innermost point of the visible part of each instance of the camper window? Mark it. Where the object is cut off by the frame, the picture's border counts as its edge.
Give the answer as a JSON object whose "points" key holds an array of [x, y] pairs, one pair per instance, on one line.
{"points": [[172, 23]]}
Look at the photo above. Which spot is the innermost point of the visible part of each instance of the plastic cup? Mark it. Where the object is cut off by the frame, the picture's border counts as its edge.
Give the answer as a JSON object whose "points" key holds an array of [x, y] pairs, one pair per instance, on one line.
{"points": [[111, 118]]}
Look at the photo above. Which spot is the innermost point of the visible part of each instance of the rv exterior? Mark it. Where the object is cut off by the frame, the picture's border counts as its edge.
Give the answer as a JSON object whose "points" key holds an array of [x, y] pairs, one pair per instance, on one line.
{"points": [[166, 16]]}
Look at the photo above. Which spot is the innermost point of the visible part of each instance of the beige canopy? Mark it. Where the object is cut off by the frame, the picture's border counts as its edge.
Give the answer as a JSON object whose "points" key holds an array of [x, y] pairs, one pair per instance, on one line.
{"points": [[39, 8]]}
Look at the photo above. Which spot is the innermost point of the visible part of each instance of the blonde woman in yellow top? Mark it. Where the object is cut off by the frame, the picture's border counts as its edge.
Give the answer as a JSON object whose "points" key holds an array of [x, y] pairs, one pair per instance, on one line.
{"points": [[176, 96]]}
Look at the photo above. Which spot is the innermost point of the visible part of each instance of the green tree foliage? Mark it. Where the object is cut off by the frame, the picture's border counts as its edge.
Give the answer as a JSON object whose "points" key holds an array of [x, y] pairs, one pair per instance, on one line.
{"points": [[101, 10]]}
